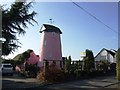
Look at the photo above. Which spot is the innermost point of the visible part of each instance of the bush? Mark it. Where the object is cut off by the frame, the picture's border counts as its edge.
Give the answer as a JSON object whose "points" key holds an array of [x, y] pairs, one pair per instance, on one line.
{"points": [[113, 67], [51, 74], [82, 74], [103, 66], [31, 70]]}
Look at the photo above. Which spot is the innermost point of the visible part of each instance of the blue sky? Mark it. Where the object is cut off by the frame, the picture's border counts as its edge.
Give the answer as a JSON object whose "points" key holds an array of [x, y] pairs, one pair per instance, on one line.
{"points": [[80, 30]]}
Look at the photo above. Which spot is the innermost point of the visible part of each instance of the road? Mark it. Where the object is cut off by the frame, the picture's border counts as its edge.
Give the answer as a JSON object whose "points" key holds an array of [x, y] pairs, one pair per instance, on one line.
{"points": [[31, 83], [16, 81], [99, 83]]}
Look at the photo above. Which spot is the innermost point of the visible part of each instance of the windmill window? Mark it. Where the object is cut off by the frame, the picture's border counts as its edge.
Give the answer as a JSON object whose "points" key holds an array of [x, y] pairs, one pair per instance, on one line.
{"points": [[45, 43], [53, 33]]}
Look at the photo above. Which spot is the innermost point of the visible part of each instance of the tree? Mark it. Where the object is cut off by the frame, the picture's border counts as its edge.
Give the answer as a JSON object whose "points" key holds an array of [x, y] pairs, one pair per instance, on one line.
{"points": [[14, 21], [89, 60], [118, 64], [21, 58], [67, 63]]}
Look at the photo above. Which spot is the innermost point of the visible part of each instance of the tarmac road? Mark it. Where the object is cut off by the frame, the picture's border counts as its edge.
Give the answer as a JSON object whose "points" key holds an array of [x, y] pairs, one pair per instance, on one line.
{"points": [[16, 81], [20, 83], [106, 82]]}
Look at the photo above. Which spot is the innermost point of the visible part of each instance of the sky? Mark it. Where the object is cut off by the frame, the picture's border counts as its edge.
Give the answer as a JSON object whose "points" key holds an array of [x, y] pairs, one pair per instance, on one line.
{"points": [[80, 30]]}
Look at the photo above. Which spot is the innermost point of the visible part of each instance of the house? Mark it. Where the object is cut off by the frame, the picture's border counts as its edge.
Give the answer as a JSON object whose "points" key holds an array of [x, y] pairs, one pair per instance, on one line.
{"points": [[108, 55]]}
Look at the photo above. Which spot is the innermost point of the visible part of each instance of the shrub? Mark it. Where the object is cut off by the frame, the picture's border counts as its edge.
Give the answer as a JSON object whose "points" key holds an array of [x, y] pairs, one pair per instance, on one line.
{"points": [[31, 70], [103, 65], [41, 76], [113, 67], [82, 74], [51, 74]]}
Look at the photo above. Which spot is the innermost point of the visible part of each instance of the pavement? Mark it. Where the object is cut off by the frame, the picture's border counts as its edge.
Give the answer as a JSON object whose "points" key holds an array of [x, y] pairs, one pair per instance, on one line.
{"points": [[32, 83]]}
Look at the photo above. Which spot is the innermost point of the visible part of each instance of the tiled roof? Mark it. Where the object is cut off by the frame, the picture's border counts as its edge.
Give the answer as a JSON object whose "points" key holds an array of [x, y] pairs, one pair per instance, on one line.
{"points": [[109, 51]]}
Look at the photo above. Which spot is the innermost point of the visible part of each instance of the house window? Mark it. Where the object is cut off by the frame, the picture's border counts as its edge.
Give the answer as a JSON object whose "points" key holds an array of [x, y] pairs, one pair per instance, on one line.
{"points": [[103, 58]]}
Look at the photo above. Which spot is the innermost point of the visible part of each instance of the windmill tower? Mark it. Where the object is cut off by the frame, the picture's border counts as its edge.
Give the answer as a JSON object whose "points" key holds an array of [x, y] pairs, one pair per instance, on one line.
{"points": [[50, 45]]}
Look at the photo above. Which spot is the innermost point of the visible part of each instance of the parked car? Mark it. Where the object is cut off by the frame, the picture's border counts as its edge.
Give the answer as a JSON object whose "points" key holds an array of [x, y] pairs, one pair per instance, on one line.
{"points": [[7, 69]]}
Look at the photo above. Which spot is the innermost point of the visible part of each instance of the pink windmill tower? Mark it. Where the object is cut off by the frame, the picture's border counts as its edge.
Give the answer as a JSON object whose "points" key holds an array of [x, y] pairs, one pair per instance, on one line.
{"points": [[50, 46]]}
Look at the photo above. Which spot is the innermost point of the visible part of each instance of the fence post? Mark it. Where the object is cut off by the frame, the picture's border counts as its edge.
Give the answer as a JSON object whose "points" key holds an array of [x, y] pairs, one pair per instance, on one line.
{"points": [[54, 62], [82, 65], [46, 65]]}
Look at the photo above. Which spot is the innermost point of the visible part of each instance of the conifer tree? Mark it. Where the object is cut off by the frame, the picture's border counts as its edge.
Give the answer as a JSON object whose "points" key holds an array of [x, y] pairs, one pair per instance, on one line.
{"points": [[14, 21], [89, 60]]}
